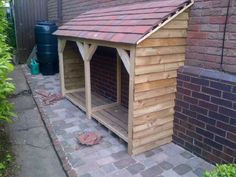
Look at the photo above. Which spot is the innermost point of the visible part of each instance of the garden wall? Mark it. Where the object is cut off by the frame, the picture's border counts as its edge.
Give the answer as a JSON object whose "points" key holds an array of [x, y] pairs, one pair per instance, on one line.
{"points": [[205, 118]]}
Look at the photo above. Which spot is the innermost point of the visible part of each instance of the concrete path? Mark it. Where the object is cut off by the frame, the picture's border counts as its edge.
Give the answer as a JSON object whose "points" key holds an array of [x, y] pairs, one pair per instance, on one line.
{"points": [[34, 152], [109, 158]]}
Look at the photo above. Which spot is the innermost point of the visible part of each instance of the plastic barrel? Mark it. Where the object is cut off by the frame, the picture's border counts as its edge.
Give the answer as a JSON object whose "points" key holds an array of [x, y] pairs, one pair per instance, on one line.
{"points": [[47, 55]]}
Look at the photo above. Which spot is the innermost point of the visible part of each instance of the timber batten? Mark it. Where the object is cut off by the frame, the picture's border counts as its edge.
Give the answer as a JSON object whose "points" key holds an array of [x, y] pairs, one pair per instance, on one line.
{"points": [[151, 59]]}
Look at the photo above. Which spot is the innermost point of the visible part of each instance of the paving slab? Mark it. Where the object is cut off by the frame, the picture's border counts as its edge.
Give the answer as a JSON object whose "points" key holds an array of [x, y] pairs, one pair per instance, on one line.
{"points": [[109, 158], [33, 149]]}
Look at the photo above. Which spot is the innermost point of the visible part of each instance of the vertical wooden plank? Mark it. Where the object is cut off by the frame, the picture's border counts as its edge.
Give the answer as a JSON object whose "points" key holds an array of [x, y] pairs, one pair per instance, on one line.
{"points": [[131, 100], [61, 46], [118, 78], [88, 88]]}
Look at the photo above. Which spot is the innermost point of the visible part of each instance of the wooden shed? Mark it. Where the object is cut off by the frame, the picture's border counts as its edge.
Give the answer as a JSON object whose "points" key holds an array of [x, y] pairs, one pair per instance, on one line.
{"points": [[148, 41]]}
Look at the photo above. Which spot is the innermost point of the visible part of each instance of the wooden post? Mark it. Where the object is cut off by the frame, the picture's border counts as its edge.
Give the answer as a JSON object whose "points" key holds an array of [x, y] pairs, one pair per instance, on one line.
{"points": [[131, 101], [118, 78], [87, 52], [61, 47]]}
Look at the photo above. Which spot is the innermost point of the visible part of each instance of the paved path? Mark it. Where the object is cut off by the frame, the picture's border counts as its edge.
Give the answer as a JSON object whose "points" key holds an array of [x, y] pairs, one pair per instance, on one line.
{"points": [[34, 152], [109, 158]]}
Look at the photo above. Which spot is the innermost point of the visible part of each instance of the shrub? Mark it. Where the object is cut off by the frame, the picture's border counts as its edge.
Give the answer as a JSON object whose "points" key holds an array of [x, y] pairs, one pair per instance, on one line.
{"points": [[6, 86], [226, 170]]}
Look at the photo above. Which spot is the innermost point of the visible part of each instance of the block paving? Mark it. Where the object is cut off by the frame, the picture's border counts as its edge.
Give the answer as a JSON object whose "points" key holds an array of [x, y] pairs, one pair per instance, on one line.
{"points": [[65, 121]]}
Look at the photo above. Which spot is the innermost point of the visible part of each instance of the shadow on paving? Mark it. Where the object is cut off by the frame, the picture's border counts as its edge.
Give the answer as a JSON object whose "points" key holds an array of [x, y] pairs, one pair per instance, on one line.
{"points": [[34, 152]]}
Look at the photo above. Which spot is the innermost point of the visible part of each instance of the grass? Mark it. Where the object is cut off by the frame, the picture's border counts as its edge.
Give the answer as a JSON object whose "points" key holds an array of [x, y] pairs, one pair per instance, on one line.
{"points": [[7, 163]]}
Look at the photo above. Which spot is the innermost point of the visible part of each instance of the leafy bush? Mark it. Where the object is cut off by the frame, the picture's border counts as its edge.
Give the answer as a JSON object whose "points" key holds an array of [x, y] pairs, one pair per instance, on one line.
{"points": [[226, 170], [6, 87]]}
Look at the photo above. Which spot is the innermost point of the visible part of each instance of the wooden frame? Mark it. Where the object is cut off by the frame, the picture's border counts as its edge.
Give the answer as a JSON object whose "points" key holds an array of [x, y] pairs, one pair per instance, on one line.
{"points": [[152, 67]]}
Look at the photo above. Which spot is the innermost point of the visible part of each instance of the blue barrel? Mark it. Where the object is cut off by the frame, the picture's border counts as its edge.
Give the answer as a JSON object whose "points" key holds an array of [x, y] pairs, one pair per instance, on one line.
{"points": [[47, 55]]}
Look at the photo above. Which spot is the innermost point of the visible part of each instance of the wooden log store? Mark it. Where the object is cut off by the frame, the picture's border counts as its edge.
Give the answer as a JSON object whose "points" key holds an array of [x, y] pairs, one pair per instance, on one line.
{"points": [[148, 41]]}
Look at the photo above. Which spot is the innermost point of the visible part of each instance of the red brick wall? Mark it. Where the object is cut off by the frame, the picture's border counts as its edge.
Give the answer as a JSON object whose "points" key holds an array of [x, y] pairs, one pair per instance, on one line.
{"points": [[205, 118], [205, 35], [103, 75]]}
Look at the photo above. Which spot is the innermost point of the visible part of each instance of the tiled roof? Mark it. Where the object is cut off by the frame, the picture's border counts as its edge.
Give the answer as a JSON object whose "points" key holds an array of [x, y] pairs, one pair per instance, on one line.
{"points": [[123, 24]]}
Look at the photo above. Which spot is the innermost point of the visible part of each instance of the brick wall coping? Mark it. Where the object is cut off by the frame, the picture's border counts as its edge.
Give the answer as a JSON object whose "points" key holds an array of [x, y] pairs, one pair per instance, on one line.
{"points": [[208, 73]]}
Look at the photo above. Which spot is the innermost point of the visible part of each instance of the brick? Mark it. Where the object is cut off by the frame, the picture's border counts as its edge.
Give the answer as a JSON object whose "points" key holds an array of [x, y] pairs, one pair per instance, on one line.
{"points": [[213, 144], [185, 137], [220, 86], [191, 133], [198, 109], [233, 121], [211, 91], [205, 133], [190, 100], [189, 113], [222, 102], [182, 104], [216, 130], [231, 136], [207, 105], [211, 157], [183, 91], [192, 148], [178, 140], [222, 155], [217, 19], [206, 119], [196, 122], [201, 96], [191, 86], [229, 96], [203, 146], [227, 112], [218, 116], [200, 81], [225, 142], [183, 77]]}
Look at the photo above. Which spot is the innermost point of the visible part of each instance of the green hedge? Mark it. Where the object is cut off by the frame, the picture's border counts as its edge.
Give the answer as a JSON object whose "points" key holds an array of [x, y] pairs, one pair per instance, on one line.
{"points": [[6, 86], [226, 170]]}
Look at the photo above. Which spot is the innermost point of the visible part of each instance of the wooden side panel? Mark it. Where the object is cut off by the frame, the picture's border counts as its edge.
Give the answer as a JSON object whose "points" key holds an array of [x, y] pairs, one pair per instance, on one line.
{"points": [[157, 60], [73, 67]]}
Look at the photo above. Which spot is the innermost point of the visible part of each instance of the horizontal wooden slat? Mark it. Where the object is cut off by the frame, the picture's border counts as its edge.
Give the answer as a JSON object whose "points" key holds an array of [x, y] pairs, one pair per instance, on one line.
{"points": [[154, 93], [154, 123], [157, 68], [152, 145], [153, 101], [152, 138], [160, 51], [162, 42], [169, 33], [154, 85], [151, 117], [177, 24], [155, 77], [154, 130], [154, 108], [159, 59]]}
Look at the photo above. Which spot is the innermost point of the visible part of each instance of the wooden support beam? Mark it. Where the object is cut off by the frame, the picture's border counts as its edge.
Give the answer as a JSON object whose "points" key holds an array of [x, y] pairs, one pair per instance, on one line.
{"points": [[87, 51], [131, 100], [118, 79], [61, 47], [125, 58]]}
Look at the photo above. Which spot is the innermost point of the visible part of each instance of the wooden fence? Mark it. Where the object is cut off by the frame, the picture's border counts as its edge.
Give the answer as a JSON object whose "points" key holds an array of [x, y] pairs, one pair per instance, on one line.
{"points": [[27, 13]]}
